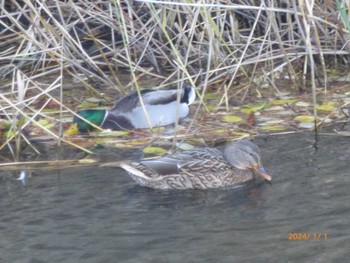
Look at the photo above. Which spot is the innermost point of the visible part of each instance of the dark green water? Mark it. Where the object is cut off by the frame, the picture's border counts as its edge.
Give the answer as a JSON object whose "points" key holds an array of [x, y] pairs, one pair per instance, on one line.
{"points": [[99, 215]]}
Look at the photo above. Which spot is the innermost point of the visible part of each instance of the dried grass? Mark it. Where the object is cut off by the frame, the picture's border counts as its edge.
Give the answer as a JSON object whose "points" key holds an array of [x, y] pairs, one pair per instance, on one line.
{"points": [[205, 43]]}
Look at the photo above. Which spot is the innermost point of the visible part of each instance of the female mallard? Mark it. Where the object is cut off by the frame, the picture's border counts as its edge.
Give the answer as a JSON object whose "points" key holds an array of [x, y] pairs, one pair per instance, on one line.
{"points": [[161, 105], [200, 168]]}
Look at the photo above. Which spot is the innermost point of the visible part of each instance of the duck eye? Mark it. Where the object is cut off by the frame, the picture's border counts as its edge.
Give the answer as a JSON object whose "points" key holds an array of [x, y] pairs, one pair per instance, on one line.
{"points": [[254, 155]]}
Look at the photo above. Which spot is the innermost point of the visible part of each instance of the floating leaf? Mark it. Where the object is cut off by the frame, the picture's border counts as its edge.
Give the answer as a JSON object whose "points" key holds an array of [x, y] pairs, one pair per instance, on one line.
{"points": [[219, 131], [231, 118], [157, 129], [273, 128], [254, 107], [304, 118], [327, 106], [282, 102], [45, 123], [155, 150]]}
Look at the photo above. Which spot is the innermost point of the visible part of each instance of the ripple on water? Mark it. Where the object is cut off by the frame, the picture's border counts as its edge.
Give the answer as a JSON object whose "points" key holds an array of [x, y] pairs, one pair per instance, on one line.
{"points": [[99, 214]]}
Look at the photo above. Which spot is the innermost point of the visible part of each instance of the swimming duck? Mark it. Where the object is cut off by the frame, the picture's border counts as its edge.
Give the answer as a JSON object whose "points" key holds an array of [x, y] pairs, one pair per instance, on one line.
{"points": [[127, 113], [200, 168]]}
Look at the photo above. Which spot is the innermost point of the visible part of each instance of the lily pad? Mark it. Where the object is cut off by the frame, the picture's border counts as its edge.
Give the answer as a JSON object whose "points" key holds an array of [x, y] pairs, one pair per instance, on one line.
{"points": [[219, 131], [304, 118], [327, 106], [155, 150], [231, 118], [274, 128], [254, 107], [282, 102], [45, 123]]}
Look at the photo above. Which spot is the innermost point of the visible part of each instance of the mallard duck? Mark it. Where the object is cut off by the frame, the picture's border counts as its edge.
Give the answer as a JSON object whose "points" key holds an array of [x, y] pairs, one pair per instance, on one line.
{"points": [[200, 168], [127, 113]]}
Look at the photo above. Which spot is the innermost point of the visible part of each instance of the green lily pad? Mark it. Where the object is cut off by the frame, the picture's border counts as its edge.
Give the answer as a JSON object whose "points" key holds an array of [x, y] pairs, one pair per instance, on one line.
{"points": [[254, 107], [219, 131], [45, 123], [231, 118], [274, 128], [305, 118], [282, 102], [327, 106], [155, 150]]}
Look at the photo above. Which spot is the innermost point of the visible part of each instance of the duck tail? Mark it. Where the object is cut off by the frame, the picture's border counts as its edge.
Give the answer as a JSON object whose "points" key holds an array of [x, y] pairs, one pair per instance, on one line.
{"points": [[189, 94], [134, 171]]}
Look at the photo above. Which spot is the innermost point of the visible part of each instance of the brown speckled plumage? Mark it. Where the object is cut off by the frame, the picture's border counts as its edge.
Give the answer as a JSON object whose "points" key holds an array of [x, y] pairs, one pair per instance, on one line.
{"points": [[200, 168]]}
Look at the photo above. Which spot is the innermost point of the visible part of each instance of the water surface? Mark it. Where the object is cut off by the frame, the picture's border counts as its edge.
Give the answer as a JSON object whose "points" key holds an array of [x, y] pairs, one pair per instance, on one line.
{"points": [[94, 214]]}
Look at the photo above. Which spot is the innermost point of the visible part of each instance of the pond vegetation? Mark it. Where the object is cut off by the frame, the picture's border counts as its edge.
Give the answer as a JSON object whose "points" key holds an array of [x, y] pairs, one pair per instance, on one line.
{"points": [[258, 68]]}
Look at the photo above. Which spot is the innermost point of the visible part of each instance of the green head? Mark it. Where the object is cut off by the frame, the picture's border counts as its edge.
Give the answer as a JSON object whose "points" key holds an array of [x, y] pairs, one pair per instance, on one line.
{"points": [[94, 116]]}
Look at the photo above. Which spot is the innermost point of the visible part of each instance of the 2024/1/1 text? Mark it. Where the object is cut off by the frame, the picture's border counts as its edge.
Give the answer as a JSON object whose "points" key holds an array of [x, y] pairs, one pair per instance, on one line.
{"points": [[307, 236]]}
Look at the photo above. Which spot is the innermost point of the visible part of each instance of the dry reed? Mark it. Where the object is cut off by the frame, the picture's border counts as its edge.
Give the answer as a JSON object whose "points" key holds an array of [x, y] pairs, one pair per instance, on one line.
{"points": [[204, 43]]}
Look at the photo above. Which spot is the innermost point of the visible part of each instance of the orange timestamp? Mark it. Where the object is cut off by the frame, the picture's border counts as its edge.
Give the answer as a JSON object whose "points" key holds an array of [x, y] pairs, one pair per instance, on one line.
{"points": [[307, 236]]}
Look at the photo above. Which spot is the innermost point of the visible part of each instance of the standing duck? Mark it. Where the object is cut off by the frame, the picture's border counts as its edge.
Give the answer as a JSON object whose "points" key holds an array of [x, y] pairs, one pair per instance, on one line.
{"points": [[200, 168], [161, 105]]}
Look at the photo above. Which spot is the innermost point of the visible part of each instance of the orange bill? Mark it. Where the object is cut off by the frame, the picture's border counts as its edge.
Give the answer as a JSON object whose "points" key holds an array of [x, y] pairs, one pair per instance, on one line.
{"points": [[261, 171]]}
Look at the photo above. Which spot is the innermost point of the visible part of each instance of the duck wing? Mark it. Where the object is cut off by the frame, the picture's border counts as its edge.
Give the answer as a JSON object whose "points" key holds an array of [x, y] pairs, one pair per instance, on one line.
{"points": [[127, 103], [202, 161], [154, 97], [176, 163], [166, 96]]}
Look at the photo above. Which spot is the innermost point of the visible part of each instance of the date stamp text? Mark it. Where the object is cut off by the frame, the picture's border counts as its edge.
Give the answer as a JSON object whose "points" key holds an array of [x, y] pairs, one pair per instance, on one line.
{"points": [[307, 236]]}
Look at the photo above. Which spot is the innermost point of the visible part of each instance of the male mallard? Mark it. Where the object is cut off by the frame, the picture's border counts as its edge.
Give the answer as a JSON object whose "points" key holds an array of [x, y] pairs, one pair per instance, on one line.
{"points": [[161, 105], [200, 168]]}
